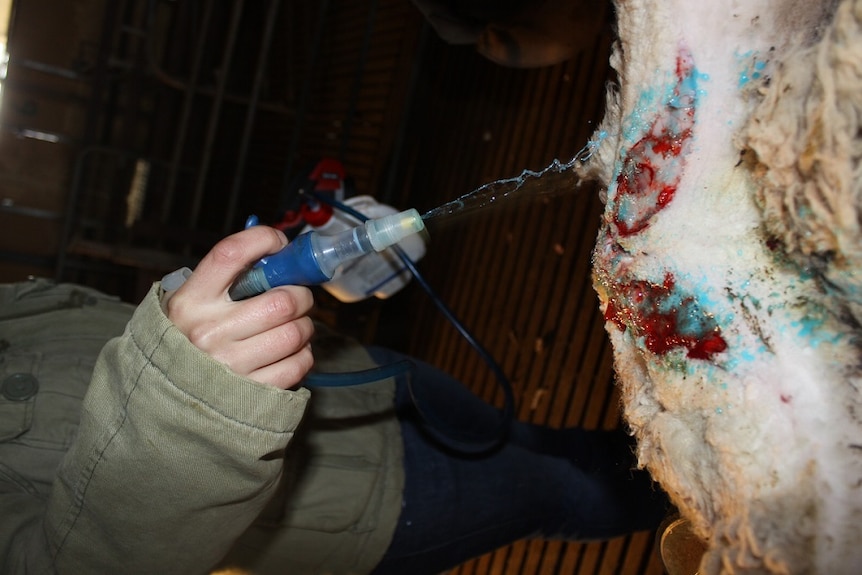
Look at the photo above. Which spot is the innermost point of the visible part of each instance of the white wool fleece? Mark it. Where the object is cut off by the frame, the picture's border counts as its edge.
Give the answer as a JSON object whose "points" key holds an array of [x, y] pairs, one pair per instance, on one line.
{"points": [[727, 266]]}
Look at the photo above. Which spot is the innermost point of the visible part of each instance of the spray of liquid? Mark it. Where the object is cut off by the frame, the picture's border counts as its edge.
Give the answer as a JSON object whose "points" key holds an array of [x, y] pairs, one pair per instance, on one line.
{"points": [[556, 179]]}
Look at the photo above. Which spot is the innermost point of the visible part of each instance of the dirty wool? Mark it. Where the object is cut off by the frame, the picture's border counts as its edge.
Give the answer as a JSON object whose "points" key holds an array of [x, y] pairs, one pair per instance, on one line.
{"points": [[729, 270]]}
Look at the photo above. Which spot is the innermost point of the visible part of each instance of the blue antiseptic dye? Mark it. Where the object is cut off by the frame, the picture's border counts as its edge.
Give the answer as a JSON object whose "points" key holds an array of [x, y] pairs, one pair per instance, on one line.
{"points": [[813, 329], [642, 116], [752, 68]]}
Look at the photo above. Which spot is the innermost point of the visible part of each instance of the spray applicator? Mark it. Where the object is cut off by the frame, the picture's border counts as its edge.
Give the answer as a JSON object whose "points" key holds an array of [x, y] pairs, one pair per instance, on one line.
{"points": [[312, 258]]}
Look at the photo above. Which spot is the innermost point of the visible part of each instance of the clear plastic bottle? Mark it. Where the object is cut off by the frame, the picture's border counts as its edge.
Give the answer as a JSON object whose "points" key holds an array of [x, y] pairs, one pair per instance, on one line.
{"points": [[315, 257], [377, 274]]}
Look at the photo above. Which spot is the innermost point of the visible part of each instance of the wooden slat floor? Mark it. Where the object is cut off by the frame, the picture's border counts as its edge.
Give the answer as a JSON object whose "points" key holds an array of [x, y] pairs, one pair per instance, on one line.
{"points": [[517, 274]]}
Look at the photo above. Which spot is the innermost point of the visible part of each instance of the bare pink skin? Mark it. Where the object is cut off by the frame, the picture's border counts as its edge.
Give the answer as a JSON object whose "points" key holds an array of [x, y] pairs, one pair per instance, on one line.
{"points": [[739, 369], [265, 338]]}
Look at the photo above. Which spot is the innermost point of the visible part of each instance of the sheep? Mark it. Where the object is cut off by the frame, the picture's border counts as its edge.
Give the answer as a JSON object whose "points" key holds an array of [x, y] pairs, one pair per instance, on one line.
{"points": [[727, 267]]}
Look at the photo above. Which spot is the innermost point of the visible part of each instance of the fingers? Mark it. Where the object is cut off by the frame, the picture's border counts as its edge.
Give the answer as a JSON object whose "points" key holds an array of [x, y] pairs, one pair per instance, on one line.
{"points": [[286, 373], [235, 321], [269, 310], [227, 259], [250, 335], [264, 338], [279, 357], [246, 343]]}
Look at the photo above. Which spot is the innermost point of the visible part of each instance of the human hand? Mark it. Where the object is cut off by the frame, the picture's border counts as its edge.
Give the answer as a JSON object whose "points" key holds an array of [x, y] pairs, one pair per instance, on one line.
{"points": [[265, 338]]}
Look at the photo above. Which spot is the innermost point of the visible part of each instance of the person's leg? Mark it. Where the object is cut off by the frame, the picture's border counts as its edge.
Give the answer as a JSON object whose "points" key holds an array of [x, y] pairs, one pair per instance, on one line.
{"points": [[570, 484]]}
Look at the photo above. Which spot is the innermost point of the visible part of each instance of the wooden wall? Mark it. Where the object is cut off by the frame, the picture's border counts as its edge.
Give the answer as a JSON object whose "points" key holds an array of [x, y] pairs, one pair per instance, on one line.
{"points": [[517, 273]]}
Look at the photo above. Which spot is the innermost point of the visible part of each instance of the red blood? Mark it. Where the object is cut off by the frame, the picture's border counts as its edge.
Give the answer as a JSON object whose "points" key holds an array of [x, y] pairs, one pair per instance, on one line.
{"points": [[666, 318], [652, 167], [663, 315]]}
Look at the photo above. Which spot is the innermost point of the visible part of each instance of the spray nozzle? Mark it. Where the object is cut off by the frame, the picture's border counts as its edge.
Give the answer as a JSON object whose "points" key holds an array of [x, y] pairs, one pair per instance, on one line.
{"points": [[389, 230], [312, 258]]}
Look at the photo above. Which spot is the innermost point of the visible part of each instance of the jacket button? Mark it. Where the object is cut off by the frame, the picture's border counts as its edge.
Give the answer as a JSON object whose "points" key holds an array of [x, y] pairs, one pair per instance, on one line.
{"points": [[19, 387]]}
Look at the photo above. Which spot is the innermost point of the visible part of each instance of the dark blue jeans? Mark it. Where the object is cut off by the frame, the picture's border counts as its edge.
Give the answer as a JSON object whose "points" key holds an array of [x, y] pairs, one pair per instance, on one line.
{"points": [[570, 484]]}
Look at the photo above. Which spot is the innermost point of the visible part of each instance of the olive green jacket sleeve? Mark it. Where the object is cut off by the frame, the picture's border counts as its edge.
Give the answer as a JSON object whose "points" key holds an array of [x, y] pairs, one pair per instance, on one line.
{"points": [[173, 459]]}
